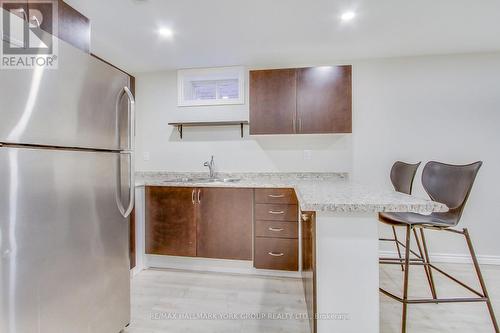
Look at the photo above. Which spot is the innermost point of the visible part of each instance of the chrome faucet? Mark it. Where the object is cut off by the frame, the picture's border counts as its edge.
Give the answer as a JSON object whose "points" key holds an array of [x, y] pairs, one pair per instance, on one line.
{"points": [[211, 166]]}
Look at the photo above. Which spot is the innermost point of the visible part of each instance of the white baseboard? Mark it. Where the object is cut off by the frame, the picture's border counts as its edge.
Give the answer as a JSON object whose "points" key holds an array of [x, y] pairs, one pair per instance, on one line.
{"points": [[453, 258], [134, 271], [212, 265]]}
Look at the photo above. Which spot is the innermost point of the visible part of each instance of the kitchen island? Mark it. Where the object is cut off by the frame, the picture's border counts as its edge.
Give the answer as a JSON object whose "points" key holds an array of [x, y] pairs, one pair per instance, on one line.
{"points": [[339, 237]]}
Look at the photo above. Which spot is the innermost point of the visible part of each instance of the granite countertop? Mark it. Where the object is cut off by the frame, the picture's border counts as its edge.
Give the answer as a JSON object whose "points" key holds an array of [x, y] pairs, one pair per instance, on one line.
{"points": [[326, 192]]}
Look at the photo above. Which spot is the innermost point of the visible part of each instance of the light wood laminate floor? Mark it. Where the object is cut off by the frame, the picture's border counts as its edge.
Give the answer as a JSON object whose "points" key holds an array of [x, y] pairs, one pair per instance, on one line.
{"points": [[159, 294]]}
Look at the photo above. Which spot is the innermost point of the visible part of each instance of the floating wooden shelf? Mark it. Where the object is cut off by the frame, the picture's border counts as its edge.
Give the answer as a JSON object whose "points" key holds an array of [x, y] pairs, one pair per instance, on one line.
{"points": [[209, 123]]}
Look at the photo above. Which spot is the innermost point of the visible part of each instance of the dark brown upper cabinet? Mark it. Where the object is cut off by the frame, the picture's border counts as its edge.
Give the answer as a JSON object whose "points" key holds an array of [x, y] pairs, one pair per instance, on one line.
{"points": [[324, 103], [301, 101], [72, 26], [273, 96]]}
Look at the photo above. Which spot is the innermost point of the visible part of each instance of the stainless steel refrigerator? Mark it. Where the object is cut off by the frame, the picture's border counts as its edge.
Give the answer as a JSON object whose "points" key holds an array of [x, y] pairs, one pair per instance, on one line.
{"points": [[66, 192]]}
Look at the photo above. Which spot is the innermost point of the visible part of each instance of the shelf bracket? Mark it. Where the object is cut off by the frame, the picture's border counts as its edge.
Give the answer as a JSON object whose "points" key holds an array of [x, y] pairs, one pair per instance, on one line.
{"points": [[179, 128], [241, 124]]}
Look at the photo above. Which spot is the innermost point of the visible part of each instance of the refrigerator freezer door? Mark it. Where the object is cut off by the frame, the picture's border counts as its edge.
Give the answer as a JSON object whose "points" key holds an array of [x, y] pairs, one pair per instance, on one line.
{"points": [[64, 259], [72, 106]]}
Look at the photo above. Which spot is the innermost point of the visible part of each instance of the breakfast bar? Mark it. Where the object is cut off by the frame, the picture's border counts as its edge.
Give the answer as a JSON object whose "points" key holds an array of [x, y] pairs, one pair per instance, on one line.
{"points": [[338, 238]]}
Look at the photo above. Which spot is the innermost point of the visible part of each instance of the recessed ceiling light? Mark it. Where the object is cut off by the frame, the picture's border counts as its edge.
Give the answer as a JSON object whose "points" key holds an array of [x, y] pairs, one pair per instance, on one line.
{"points": [[347, 16], [165, 32]]}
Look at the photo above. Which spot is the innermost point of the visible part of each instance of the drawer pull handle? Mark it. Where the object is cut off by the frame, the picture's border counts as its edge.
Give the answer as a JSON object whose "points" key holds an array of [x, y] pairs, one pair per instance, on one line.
{"points": [[276, 195], [276, 254], [275, 229], [276, 213]]}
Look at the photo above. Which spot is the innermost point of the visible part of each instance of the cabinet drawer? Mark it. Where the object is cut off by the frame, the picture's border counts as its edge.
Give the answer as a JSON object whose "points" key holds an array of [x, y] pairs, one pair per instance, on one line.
{"points": [[276, 212], [276, 229], [275, 196], [276, 253]]}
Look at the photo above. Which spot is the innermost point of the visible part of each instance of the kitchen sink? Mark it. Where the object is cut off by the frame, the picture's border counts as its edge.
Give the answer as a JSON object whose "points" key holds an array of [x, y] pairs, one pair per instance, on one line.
{"points": [[179, 180], [202, 180], [220, 180]]}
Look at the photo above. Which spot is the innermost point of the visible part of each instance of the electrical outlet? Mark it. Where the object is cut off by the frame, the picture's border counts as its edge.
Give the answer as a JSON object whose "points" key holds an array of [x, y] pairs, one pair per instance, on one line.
{"points": [[307, 155], [146, 156]]}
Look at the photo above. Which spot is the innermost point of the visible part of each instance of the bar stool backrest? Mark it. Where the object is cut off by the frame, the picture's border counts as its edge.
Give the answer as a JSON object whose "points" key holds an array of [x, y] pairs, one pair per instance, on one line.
{"points": [[450, 184], [402, 175]]}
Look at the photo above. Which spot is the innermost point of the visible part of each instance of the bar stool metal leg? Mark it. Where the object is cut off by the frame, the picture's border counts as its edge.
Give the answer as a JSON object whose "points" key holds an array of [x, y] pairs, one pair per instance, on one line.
{"points": [[428, 262], [396, 240], [406, 277], [481, 280]]}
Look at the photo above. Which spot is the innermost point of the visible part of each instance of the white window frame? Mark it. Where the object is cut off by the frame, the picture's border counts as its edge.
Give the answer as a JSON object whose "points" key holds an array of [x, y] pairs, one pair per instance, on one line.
{"points": [[183, 74]]}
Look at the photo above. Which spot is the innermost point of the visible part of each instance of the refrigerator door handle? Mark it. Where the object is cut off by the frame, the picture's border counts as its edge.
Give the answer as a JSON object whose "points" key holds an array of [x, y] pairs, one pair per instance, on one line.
{"points": [[118, 193], [130, 152], [131, 118]]}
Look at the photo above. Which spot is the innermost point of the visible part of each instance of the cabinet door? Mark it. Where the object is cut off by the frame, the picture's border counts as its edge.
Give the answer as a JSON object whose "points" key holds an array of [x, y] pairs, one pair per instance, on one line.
{"points": [[273, 101], [324, 103], [276, 253], [309, 264], [225, 223], [275, 196], [171, 221], [73, 27]]}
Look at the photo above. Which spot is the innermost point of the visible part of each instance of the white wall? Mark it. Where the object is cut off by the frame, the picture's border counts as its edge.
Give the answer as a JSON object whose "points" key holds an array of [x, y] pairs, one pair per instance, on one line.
{"points": [[445, 108], [157, 106]]}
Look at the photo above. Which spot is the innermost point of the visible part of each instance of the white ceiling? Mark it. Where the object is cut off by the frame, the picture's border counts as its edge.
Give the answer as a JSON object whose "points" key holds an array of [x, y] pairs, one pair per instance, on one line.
{"points": [[284, 32]]}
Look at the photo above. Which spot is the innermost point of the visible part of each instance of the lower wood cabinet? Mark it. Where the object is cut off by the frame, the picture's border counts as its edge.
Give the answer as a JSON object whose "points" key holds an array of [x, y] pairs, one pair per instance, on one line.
{"points": [[171, 221], [275, 196], [309, 265], [276, 212], [199, 222], [276, 253], [217, 223], [225, 223], [276, 229]]}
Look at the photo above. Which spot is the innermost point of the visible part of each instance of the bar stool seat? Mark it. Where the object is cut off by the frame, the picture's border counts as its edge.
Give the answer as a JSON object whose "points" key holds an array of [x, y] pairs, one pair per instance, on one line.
{"points": [[438, 220]]}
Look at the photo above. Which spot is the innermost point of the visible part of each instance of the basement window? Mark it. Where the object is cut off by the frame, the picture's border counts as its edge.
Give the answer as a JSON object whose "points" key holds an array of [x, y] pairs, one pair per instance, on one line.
{"points": [[211, 86]]}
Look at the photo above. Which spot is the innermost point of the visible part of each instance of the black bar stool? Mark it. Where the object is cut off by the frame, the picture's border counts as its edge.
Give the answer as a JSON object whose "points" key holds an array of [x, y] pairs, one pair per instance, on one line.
{"points": [[451, 185], [402, 176]]}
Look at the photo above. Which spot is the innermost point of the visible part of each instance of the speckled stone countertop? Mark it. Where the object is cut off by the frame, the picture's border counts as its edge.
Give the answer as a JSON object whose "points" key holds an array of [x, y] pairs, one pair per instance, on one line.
{"points": [[326, 192]]}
